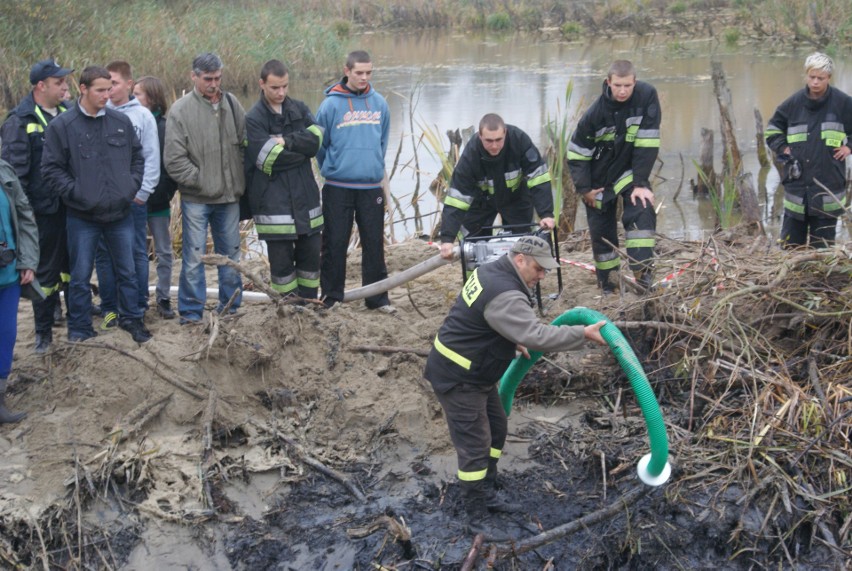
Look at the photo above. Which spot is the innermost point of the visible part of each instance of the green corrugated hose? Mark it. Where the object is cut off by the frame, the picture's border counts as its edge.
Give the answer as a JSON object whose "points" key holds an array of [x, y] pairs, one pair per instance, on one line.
{"points": [[654, 468]]}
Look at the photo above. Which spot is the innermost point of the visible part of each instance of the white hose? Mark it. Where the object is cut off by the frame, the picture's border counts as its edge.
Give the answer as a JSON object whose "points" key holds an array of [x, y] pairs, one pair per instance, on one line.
{"points": [[376, 288]]}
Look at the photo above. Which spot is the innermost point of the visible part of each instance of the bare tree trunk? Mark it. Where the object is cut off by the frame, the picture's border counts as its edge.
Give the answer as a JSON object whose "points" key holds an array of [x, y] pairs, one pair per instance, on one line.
{"points": [[748, 203], [706, 175], [732, 159], [760, 139], [570, 204]]}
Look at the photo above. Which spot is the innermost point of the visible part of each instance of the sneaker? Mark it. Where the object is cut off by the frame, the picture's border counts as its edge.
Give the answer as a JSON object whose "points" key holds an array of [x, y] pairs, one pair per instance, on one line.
{"points": [[77, 336], [186, 320], [388, 309], [136, 329], [110, 321], [164, 309]]}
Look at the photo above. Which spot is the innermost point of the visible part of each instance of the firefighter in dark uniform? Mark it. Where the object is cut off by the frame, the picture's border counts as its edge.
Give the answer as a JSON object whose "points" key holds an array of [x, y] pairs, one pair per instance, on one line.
{"points": [[283, 194], [492, 317], [22, 135], [810, 133], [499, 172], [611, 155]]}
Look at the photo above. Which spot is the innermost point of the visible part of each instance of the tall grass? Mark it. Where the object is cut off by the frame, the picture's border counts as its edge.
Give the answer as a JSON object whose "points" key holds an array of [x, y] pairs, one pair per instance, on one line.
{"points": [[559, 135], [161, 38]]}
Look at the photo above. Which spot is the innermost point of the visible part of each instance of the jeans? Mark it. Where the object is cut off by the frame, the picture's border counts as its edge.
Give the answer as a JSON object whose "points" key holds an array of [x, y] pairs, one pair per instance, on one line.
{"points": [[106, 267], [83, 239], [224, 221], [159, 227], [9, 296]]}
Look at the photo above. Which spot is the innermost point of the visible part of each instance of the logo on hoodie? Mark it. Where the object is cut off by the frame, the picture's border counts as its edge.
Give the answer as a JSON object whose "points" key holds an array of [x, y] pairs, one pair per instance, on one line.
{"points": [[355, 118]]}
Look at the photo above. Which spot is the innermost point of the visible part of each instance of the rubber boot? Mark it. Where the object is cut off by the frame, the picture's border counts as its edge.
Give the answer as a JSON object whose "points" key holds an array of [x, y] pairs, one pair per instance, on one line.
{"points": [[7, 416], [493, 501], [43, 341], [479, 520], [644, 278], [607, 287]]}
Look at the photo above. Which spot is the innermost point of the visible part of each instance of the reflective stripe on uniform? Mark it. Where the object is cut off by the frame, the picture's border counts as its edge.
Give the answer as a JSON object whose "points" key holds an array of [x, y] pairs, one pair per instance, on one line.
{"points": [[284, 284], [797, 134], [794, 203], [647, 138], [539, 176], [623, 181], [274, 224], [452, 355], [513, 179], [307, 279], [472, 476], [607, 261], [456, 199], [34, 128], [318, 131], [605, 134], [495, 453], [267, 155], [833, 134]]}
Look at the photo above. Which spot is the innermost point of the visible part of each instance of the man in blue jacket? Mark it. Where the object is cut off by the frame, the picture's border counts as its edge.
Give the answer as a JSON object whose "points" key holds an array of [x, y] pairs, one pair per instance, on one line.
{"points": [[356, 121], [93, 160]]}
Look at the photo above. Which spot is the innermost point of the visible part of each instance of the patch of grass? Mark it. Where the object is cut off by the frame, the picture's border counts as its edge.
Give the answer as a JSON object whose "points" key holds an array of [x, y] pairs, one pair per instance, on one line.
{"points": [[498, 21], [571, 30], [677, 8], [732, 36]]}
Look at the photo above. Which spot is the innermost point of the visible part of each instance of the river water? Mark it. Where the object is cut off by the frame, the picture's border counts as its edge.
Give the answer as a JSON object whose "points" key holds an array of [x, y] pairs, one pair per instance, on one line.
{"points": [[451, 80]]}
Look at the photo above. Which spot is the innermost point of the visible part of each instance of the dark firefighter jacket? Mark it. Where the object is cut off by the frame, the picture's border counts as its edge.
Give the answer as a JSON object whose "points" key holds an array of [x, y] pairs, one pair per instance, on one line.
{"points": [[813, 129], [283, 193], [23, 141], [615, 144], [518, 168]]}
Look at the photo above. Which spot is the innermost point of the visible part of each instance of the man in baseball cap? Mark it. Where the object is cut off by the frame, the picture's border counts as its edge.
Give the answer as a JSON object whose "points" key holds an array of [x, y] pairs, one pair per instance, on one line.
{"points": [[491, 318], [23, 139], [45, 69]]}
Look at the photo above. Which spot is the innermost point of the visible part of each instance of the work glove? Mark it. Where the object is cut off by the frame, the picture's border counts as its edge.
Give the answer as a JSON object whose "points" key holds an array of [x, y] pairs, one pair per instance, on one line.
{"points": [[791, 168]]}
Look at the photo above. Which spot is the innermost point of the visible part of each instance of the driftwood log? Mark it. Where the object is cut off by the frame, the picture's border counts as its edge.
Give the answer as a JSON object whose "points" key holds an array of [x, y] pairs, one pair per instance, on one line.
{"points": [[760, 139], [706, 173], [732, 158]]}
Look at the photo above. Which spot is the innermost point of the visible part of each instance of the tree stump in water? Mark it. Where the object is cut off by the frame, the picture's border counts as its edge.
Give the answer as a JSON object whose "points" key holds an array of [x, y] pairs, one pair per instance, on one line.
{"points": [[748, 204], [732, 158], [706, 173], [760, 139]]}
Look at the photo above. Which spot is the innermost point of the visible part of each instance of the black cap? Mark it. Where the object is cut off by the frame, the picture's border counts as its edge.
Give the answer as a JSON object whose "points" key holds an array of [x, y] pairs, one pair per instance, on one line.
{"points": [[47, 68]]}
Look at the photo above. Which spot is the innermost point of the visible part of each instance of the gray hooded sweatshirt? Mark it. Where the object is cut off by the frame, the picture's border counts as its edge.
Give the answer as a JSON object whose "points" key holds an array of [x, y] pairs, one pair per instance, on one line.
{"points": [[146, 129]]}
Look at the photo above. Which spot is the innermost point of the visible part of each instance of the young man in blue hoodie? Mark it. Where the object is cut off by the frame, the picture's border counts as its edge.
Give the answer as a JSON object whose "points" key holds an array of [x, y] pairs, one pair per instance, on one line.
{"points": [[356, 122], [121, 99]]}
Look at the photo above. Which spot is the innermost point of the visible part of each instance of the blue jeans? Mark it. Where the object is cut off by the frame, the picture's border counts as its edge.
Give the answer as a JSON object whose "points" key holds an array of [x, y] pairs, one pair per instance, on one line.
{"points": [[9, 296], [106, 268], [224, 222], [83, 238], [159, 227]]}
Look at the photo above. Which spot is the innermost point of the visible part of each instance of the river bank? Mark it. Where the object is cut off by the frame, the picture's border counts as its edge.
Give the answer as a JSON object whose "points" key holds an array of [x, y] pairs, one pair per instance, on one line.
{"points": [[290, 436]]}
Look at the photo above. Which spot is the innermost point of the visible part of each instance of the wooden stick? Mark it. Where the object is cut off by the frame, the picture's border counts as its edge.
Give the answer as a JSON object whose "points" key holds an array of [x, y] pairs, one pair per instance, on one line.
{"points": [[516, 548], [389, 349], [312, 462], [473, 554]]}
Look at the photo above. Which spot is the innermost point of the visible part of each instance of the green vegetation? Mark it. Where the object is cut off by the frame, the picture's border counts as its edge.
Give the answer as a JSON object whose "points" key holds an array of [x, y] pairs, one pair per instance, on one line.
{"points": [[677, 8], [161, 38], [732, 36], [499, 21], [571, 30]]}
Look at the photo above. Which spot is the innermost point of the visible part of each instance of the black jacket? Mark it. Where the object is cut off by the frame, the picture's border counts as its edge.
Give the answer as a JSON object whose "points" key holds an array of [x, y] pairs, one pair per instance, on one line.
{"points": [[517, 170], [94, 164], [165, 190], [813, 129], [22, 137], [283, 194], [467, 349], [616, 144]]}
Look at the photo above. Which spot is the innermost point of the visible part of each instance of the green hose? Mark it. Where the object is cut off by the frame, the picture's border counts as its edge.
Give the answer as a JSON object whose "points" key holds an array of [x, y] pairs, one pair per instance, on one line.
{"points": [[657, 466]]}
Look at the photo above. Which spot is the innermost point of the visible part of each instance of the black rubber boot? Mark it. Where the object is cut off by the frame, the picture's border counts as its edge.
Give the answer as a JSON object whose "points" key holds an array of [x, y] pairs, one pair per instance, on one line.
{"points": [[6, 415], [493, 501], [644, 278], [607, 286], [479, 520]]}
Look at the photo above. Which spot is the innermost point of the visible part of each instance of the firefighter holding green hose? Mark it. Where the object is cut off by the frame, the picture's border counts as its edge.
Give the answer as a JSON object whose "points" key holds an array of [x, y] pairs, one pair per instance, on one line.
{"points": [[492, 318]]}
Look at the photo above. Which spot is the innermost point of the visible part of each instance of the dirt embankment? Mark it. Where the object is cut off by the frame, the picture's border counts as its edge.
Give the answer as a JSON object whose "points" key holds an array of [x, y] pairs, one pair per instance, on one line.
{"points": [[303, 438]]}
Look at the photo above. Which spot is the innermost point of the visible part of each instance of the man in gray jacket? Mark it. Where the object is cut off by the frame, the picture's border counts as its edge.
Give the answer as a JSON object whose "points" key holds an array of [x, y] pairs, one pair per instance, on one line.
{"points": [[205, 140], [121, 99]]}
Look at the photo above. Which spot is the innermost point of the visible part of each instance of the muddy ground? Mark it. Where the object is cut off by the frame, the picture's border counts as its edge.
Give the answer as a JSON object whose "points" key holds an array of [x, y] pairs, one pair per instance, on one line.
{"points": [[172, 454]]}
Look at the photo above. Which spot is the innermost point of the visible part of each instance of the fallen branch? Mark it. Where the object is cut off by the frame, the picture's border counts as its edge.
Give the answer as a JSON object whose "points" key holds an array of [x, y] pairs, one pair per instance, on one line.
{"points": [[312, 462], [516, 548], [259, 282], [473, 554], [389, 349], [174, 382]]}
